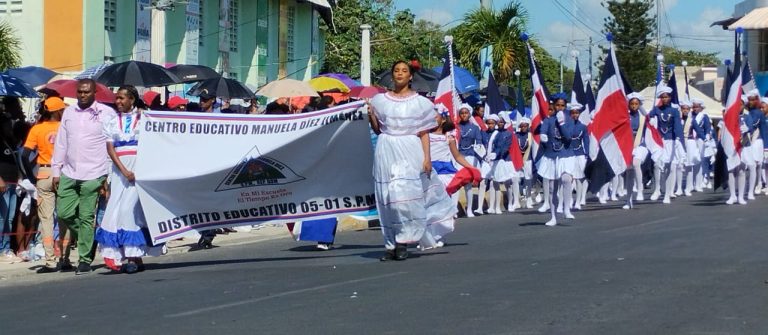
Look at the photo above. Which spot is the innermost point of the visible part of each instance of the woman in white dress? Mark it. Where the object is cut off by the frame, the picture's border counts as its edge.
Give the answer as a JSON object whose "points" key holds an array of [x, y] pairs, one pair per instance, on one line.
{"points": [[121, 240], [412, 203]]}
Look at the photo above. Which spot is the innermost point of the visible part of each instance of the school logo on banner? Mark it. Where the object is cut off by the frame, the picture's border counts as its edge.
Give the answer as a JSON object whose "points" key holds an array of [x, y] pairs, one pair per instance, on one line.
{"points": [[257, 170]]}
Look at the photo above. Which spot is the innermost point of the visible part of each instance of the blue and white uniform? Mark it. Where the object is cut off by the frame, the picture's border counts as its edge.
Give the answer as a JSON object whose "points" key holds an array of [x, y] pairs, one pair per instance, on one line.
{"points": [[670, 126], [469, 136], [747, 125], [501, 165], [578, 147], [556, 157]]}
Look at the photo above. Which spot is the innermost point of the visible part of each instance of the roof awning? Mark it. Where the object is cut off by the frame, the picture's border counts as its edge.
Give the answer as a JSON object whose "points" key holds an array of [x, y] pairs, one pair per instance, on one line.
{"points": [[725, 23], [323, 7], [756, 19]]}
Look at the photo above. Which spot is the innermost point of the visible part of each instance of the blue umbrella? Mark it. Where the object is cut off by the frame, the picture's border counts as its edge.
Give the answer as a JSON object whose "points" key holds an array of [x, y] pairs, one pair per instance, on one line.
{"points": [[14, 87], [463, 79], [91, 71], [33, 75]]}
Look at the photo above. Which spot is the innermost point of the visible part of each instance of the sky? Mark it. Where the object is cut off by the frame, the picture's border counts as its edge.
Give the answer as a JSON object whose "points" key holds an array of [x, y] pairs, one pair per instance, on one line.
{"points": [[687, 21]]}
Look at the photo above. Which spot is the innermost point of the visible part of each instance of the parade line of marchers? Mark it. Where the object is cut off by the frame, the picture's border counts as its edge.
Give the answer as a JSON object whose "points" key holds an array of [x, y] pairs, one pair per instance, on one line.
{"points": [[244, 129], [287, 210]]}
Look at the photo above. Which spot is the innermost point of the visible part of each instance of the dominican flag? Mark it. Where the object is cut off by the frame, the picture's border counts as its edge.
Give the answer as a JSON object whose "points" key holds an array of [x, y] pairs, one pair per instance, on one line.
{"points": [[539, 102], [446, 90], [589, 107], [748, 81], [321, 230], [493, 102], [673, 85], [685, 74], [610, 132], [651, 136], [731, 133], [579, 95]]}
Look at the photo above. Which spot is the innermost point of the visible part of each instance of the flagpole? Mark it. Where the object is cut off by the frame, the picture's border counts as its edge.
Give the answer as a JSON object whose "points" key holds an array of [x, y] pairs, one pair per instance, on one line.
{"points": [[685, 73], [449, 44]]}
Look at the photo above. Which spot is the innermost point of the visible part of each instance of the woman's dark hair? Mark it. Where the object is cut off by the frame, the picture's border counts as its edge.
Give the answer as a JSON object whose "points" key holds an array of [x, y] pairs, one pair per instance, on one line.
{"points": [[410, 67], [326, 100], [447, 125], [134, 93]]}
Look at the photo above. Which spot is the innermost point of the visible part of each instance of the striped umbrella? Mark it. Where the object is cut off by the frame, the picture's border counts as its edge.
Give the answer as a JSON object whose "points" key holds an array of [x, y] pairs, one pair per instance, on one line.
{"points": [[91, 71]]}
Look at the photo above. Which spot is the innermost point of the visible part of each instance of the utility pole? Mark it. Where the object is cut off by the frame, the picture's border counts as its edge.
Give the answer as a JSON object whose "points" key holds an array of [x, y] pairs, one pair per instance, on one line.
{"points": [[590, 56], [561, 72], [365, 56]]}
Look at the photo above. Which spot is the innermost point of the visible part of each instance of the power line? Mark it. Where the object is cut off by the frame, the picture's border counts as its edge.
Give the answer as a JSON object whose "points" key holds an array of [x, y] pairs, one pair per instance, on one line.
{"points": [[572, 17]]}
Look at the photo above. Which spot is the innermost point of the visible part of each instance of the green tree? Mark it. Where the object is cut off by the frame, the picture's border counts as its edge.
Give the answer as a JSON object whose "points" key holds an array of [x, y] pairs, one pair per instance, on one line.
{"points": [[394, 36], [632, 25], [501, 30], [694, 58], [10, 47]]}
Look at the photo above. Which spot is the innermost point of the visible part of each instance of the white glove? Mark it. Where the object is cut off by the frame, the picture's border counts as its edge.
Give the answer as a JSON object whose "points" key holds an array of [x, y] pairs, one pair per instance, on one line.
{"points": [[708, 138], [544, 138], [743, 128], [654, 122], [560, 117], [491, 156]]}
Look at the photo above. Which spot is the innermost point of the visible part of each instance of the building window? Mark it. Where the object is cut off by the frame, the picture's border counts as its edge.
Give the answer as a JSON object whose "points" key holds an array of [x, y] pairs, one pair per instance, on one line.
{"points": [[291, 31], [12, 7], [232, 75], [110, 15], [763, 54], [232, 23], [200, 21]]}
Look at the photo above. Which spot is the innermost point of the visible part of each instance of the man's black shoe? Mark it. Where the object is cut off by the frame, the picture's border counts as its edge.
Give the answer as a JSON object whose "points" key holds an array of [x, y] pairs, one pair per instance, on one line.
{"points": [[388, 256], [66, 267], [83, 268], [47, 269]]}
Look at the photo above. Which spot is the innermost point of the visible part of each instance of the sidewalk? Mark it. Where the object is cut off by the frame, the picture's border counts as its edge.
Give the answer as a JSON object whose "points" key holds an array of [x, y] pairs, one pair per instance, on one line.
{"points": [[257, 234]]}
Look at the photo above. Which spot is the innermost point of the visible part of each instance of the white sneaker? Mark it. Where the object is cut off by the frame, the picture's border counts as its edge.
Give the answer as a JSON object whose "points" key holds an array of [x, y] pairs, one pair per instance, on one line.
{"points": [[751, 197], [667, 200], [742, 202], [439, 244], [470, 214], [544, 208], [626, 206], [323, 246], [730, 201], [9, 257], [512, 208], [577, 207], [765, 190], [490, 211], [699, 189], [538, 198], [559, 209], [569, 216], [688, 193], [655, 196], [678, 193], [528, 203], [601, 200], [640, 197], [551, 223], [478, 212]]}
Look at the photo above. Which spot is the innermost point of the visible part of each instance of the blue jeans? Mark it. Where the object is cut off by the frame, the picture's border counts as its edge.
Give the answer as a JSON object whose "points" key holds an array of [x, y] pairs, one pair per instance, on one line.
{"points": [[7, 214]]}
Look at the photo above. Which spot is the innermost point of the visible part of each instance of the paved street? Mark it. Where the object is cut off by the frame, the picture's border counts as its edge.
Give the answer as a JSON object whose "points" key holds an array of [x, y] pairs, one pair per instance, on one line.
{"points": [[693, 267]]}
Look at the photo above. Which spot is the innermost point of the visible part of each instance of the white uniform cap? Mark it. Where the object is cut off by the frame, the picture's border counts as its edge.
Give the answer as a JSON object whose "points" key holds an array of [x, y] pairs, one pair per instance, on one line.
{"points": [[764, 100], [575, 105], [504, 116], [697, 101], [753, 93], [468, 107], [523, 120], [663, 89], [635, 95], [493, 117], [685, 103]]}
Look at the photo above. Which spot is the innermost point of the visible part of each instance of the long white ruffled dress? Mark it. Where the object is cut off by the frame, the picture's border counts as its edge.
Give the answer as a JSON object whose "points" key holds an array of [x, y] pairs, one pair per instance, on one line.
{"points": [[412, 207], [120, 235]]}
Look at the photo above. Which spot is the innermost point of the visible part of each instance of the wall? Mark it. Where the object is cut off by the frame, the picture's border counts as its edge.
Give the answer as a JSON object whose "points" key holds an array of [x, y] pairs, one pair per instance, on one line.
{"points": [[29, 28], [62, 35]]}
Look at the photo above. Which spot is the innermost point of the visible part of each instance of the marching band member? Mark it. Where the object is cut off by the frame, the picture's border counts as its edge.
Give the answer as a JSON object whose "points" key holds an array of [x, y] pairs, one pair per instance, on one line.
{"points": [[758, 127], [557, 163], [736, 177], [667, 119], [526, 174], [579, 146], [490, 161], [501, 163], [764, 108], [470, 138], [701, 132], [692, 155], [485, 168], [634, 177]]}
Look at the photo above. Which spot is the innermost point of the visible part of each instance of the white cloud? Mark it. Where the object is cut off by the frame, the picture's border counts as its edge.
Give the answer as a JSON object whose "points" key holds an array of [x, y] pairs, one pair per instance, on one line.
{"points": [[438, 16]]}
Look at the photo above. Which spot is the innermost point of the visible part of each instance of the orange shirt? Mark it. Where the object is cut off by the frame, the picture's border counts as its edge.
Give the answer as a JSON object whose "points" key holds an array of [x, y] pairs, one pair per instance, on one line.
{"points": [[41, 138]]}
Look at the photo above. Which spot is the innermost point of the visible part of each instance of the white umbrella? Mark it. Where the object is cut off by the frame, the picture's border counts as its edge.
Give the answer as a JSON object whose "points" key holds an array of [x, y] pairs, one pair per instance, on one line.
{"points": [[287, 88]]}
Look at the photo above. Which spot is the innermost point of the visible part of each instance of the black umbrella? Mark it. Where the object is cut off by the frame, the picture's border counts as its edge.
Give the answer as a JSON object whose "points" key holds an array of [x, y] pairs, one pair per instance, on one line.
{"points": [[192, 73], [223, 88], [135, 73], [424, 80]]}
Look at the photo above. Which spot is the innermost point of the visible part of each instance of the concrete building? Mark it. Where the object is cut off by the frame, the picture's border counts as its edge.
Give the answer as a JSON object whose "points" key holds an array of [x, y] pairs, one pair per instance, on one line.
{"points": [[752, 15], [254, 41]]}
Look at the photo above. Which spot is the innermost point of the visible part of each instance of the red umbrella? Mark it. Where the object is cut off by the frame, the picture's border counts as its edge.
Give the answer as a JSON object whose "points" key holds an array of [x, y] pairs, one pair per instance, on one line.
{"points": [[68, 88], [362, 92]]}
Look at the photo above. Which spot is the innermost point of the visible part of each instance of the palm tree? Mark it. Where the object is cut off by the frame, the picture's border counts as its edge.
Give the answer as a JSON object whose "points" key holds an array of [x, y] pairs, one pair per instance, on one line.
{"points": [[10, 47], [501, 30]]}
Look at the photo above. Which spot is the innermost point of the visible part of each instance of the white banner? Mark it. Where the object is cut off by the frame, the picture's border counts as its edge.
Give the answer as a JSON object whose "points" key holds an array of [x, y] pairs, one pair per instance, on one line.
{"points": [[142, 50], [191, 39], [206, 171]]}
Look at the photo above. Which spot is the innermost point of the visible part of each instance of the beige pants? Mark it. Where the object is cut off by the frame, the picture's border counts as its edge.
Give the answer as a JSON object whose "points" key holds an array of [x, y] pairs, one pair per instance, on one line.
{"points": [[46, 203]]}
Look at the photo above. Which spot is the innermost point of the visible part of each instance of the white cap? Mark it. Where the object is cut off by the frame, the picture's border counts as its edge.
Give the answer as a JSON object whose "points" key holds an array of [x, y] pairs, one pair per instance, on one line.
{"points": [[753, 93], [575, 105], [504, 116], [523, 120], [467, 106], [493, 117], [663, 89], [685, 103], [764, 100], [635, 95], [697, 101]]}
